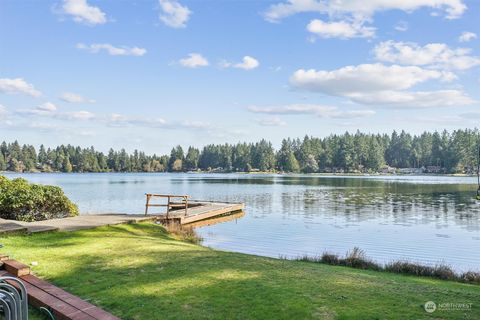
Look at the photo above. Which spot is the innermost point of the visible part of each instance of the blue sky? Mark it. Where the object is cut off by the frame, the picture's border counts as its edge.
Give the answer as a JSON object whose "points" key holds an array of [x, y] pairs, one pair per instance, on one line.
{"points": [[153, 74]]}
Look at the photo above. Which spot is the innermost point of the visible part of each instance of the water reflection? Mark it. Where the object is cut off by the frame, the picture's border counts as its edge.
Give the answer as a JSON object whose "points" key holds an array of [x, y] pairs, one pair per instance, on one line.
{"points": [[222, 219]]}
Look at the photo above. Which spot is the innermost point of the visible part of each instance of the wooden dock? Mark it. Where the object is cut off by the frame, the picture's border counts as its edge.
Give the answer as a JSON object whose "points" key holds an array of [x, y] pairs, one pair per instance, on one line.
{"points": [[189, 211]]}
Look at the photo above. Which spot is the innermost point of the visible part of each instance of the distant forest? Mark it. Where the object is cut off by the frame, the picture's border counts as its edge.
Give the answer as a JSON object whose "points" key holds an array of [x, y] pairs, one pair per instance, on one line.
{"points": [[444, 152]]}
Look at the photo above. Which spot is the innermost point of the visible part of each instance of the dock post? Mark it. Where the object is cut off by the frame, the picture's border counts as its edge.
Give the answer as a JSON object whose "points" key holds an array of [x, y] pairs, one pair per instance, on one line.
{"points": [[186, 206], [146, 204], [168, 206]]}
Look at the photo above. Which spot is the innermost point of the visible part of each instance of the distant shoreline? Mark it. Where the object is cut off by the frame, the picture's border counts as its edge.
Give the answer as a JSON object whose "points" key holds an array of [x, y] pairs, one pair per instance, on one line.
{"points": [[262, 173]]}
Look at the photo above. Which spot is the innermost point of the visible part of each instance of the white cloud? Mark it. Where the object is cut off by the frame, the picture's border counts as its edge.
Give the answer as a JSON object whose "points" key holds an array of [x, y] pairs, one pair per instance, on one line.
{"points": [[120, 120], [467, 36], [377, 84], [437, 55], [48, 107], [112, 50], [418, 99], [71, 97], [50, 110], [82, 12], [340, 29], [360, 9], [444, 120], [365, 78], [174, 14], [194, 60], [293, 109], [248, 63], [78, 115], [199, 125], [322, 111], [354, 114], [41, 110], [279, 11], [271, 122], [42, 127], [401, 26], [18, 85]]}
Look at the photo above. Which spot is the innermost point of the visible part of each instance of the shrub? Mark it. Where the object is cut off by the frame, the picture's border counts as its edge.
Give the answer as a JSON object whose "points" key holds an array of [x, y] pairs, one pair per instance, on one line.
{"points": [[471, 277], [24, 201], [355, 259], [439, 271], [308, 258], [444, 272], [358, 259], [330, 258], [406, 267]]}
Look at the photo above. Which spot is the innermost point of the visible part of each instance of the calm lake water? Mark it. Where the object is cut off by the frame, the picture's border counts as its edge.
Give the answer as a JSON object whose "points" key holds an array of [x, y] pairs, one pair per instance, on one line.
{"points": [[428, 219]]}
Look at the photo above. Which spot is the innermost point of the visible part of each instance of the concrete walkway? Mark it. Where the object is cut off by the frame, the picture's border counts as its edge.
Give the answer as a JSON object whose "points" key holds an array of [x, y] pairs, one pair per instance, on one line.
{"points": [[10, 226], [87, 221]]}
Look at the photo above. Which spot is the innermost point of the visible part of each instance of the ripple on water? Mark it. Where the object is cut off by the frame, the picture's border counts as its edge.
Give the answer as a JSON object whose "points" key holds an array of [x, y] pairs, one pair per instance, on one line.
{"points": [[429, 219]]}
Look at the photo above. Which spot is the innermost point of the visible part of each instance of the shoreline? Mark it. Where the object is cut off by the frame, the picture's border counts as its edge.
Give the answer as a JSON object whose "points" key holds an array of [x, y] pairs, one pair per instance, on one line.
{"points": [[326, 174], [327, 257]]}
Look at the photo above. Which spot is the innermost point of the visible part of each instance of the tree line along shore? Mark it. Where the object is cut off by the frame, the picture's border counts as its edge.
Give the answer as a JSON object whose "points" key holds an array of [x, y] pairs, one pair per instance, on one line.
{"points": [[432, 152]]}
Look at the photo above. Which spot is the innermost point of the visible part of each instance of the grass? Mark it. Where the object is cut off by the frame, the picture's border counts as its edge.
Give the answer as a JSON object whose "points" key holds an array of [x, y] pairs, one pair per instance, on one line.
{"points": [[141, 272]]}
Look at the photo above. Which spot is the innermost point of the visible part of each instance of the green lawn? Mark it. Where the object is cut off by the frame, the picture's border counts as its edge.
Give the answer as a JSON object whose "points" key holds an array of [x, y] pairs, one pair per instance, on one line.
{"points": [[139, 272]]}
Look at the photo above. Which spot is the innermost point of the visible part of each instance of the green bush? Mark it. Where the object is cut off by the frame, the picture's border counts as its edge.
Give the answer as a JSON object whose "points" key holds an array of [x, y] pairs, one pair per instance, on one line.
{"points": [[24, 201]]}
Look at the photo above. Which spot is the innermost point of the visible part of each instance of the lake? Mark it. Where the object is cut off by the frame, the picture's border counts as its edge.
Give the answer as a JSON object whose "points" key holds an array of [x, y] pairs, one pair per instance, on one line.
{"points": [[428, 219]]}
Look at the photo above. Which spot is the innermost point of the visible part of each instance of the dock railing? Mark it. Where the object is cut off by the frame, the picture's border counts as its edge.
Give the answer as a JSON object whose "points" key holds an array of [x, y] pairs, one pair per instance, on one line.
{"points": [[183, 204]]}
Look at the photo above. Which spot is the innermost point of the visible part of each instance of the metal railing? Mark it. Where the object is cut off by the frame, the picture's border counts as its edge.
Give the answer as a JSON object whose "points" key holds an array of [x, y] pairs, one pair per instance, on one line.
{"points": [[183, 204], [13, 302]]}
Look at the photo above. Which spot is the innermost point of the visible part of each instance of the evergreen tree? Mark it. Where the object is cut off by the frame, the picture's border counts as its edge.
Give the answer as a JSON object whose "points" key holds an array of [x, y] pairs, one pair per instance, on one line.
{"points": [[375, 155], [176, 154], [3, 163], [66, 166], [192, 158], [311, 165], [263, 156]]}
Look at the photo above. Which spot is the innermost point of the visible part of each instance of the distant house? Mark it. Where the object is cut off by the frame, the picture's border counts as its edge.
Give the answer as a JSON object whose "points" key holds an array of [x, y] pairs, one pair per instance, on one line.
{"points": [[433, 169], [410, 170], [387, 169], [333, 170], [470, 170]]}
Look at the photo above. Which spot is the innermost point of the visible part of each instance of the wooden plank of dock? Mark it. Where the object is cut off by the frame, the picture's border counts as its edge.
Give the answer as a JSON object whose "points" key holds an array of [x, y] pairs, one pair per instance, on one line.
{"points": [[41, 293], [206, 210], [217, 220]]}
